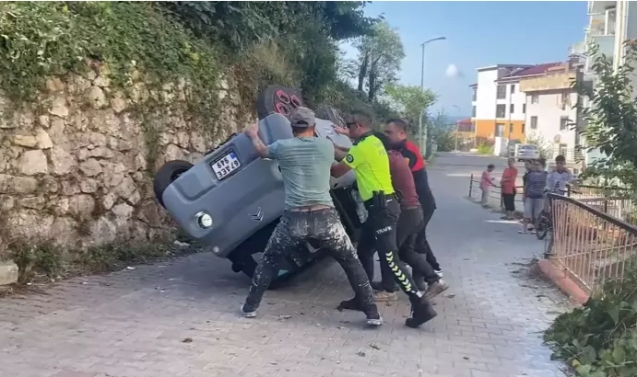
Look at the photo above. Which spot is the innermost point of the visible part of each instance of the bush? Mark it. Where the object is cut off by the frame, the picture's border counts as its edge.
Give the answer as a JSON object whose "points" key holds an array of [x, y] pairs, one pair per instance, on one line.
{"points": [[600, 339], [485, 149]]}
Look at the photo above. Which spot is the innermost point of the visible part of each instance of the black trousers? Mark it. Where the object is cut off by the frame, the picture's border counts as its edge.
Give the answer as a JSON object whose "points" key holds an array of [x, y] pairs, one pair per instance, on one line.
{"points": [[323, 227], [509, 202], [381, 226], [409, 225], [422, 244]]}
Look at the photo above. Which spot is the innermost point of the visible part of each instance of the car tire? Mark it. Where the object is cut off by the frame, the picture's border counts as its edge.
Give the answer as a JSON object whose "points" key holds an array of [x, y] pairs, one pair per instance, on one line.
{"points": [[166, 175], [278, 99]]}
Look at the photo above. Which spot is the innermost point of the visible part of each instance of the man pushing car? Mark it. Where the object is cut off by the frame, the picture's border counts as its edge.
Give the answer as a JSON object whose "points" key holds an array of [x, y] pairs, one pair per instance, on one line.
{"points": [[305, 161], [368, 158]]}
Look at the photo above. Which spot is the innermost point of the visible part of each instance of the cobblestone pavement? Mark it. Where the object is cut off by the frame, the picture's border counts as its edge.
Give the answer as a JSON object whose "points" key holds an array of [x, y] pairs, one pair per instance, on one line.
{"points": [[181, 318]]}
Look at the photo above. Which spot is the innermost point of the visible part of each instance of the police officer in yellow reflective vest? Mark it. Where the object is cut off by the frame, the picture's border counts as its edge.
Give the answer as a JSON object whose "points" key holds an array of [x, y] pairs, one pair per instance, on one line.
{"points": [[368, 158]]}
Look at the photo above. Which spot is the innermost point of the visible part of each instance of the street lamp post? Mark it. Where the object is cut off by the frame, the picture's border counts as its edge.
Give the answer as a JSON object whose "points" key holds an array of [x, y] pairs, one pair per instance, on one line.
{"points": [[457, 126], [422, 88]]}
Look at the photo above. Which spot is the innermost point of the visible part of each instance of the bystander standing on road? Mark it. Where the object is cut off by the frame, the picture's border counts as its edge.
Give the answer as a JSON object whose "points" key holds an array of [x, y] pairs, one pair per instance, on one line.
{"points": [[528, 167], [368, 158], [486, 183], [305, 161], [558, 179], [508, 189], [534, 195]]}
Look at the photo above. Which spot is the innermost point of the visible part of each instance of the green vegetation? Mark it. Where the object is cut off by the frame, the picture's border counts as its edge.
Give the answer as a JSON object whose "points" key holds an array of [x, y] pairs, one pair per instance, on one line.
{"points": [[255, 44], [52, 262], [442, 131], [193, 49], [600, 339], [612, 119], [485, 148], [410, 101]]}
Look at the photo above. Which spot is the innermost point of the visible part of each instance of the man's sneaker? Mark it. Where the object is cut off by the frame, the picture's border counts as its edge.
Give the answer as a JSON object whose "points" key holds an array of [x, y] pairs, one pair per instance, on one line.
{"points": [[351, 304], [375, 320], [435, 289], [439, 273], [383, 296], [248, 314], [421, 313]]}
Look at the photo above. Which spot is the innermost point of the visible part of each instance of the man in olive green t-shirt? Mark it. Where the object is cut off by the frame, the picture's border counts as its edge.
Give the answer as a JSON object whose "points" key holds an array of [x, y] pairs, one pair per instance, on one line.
{"points": [[368, 158]]}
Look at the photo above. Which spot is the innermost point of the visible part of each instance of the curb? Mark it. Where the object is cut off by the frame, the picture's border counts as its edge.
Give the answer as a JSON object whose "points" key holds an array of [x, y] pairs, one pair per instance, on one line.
{"points": [[563, 281]]}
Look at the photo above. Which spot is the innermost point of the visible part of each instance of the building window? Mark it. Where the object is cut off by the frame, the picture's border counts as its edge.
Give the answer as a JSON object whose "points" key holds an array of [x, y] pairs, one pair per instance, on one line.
{"points": [[566, 97], [500, 111], [499, 130], [563, 149], [563, 123], [535, 98], [510, 128], [473, 112], [502, 92], [473, 126], [534, 123], [522, 128], [512, 88], [475, 94], [524, 108], [511, 108]]}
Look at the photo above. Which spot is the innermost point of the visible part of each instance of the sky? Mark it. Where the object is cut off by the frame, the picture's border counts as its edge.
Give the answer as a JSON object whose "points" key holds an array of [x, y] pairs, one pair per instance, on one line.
{"points": [[477, 34]]}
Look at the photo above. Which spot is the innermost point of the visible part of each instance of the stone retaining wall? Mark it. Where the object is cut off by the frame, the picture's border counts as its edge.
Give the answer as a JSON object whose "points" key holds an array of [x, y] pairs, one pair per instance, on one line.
{"points": [[76, 166]]}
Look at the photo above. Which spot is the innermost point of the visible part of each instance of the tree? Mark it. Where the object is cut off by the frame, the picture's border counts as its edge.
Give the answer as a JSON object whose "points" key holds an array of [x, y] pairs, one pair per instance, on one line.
{"points": [[611, 117], [238, 24], [441, 130], [378, 61], [410, 101]]}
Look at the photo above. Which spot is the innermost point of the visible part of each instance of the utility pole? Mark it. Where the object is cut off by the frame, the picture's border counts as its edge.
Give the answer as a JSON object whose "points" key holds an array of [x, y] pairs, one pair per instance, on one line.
{"points": [[457, 126], [421, 136]]}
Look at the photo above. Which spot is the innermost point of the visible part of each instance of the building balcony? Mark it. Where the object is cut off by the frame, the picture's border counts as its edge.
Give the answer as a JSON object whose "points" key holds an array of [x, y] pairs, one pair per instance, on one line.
{"points": [[606, 47], [595, 7], [602, 24]]}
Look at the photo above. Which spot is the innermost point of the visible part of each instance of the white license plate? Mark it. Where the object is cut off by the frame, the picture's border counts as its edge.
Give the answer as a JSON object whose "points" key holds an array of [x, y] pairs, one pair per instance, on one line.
{"points": [[226, 165]]}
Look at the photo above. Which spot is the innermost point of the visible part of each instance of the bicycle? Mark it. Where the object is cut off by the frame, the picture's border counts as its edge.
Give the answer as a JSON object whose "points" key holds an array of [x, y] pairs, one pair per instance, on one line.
{"points": [[544, 224]]}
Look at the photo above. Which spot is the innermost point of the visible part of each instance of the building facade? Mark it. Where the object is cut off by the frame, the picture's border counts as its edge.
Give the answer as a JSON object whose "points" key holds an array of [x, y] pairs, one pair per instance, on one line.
{"points": [[611, 23], [498, 105], [551, 116]]}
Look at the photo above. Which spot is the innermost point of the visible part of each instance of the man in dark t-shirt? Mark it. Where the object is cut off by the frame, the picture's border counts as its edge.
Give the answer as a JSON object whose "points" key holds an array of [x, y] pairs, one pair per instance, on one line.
{"points": [[396, 131], [410, 223]]}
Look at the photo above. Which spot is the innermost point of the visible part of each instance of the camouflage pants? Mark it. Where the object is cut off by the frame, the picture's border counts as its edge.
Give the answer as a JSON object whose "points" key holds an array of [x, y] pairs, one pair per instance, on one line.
{"points": [[322, 227]]}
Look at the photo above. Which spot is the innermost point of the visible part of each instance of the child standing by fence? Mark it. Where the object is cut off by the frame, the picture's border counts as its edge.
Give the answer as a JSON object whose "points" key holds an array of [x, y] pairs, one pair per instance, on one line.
{"points": [[486, 182]]}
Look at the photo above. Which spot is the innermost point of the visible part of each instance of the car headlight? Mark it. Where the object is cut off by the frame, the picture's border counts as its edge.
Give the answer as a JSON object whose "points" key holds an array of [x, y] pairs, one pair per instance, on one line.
{"points": [[204, 220]]}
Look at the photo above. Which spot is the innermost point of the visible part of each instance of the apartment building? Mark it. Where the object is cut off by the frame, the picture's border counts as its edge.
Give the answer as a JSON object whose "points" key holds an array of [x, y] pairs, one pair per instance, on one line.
{"points": [[498, 104], [551, 107], [611, 23]]}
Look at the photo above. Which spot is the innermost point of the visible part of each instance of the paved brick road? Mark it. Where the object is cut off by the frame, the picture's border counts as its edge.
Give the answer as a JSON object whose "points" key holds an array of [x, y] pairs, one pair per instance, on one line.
{"points": [[180, 318]]}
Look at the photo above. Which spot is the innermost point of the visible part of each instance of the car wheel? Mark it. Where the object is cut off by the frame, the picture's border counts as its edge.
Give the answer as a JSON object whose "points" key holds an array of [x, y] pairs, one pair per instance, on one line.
{"points": [[166, 175], [278, 99]]}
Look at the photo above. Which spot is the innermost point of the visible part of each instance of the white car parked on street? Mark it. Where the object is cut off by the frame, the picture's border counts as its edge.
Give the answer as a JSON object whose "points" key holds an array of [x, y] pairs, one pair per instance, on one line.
{"points": [[525, 152]]}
